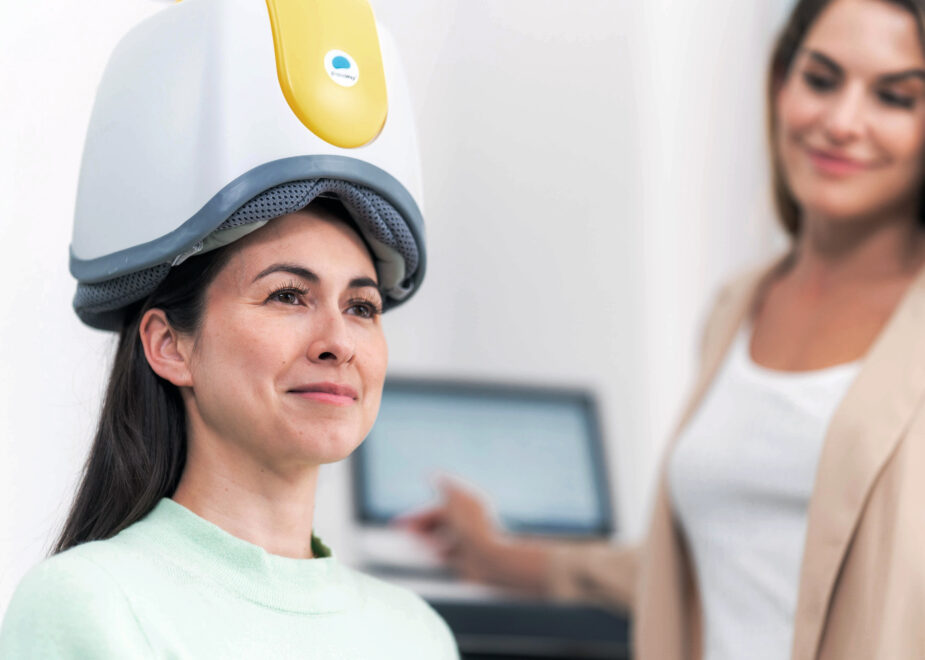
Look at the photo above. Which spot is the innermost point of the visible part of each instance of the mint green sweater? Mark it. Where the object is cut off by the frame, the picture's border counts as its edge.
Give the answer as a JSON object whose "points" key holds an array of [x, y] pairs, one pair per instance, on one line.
{"points": [[174, 585]]}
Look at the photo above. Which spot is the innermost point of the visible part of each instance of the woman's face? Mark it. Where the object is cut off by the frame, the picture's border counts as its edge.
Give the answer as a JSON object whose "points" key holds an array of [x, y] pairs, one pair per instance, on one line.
{"points": [[851, 113], [290, 357]]}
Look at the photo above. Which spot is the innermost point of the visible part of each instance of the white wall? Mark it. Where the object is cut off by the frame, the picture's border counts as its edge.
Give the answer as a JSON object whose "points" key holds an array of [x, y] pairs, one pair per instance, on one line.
{"points": [[592, 169], [52, 53]]}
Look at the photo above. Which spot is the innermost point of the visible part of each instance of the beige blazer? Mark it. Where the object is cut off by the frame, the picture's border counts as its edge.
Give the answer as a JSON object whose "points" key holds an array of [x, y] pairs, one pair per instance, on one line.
{"points": [[862, 582]]}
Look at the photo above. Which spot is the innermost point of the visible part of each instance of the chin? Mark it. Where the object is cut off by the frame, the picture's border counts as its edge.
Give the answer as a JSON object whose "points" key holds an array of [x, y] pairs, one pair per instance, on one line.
{"points": [[838, 204], [324, 445], [854, 199]]}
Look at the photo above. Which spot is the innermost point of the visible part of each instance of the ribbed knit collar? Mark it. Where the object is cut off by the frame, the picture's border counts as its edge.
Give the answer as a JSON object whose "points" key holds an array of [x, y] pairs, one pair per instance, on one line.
{"points": [[208, 553]]}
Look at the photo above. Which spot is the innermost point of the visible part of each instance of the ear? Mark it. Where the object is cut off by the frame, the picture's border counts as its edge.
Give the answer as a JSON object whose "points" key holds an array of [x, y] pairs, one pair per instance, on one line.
{"points": [[165, 349]]}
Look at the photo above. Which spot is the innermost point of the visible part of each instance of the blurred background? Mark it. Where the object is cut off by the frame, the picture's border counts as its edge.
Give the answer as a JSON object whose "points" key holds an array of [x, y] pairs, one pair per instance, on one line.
{"points": [[593, 170]]}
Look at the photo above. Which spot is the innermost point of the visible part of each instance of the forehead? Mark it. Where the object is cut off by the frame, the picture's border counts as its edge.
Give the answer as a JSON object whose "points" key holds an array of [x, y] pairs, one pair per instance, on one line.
{"points": [[872, 37], [325, 245]]}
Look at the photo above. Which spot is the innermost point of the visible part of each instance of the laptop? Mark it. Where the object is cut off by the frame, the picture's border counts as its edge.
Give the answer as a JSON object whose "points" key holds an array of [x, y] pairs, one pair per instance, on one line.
{"points": [[534, 453]]}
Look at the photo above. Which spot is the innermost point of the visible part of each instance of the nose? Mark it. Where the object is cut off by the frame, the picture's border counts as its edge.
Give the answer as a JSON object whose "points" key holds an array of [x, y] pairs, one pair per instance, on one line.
{"points": [[844, 121], [331, 340]]}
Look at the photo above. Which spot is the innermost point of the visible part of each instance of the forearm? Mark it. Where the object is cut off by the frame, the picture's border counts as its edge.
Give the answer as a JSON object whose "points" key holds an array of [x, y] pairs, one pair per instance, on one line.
{"points": [[596, 572], [518, 564]]}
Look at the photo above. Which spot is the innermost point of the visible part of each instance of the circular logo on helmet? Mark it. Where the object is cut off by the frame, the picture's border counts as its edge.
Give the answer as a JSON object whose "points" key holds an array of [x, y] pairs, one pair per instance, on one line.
{"points": [[341, 68]]}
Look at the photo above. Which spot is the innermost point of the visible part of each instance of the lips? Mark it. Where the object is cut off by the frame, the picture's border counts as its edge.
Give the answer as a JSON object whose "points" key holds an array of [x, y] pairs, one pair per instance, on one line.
{"points": [[331, 393], [834, 163]]}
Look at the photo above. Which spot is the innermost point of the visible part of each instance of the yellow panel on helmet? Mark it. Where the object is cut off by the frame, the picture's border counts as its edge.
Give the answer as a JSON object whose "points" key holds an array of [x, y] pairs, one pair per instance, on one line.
{"points": [[330, 67]]}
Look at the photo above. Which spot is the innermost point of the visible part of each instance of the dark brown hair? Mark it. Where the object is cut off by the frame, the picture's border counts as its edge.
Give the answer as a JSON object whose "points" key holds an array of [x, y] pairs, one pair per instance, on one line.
{"points": [[139, 448], [801, 19]]}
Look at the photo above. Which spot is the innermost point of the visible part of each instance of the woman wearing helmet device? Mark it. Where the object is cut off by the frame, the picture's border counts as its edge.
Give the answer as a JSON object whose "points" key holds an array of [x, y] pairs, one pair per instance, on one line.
{"points": [[246, 274]]}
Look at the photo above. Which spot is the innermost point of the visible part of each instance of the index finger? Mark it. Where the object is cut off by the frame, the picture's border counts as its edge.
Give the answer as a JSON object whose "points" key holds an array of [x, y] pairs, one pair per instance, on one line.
{"points": [[422, 522]]}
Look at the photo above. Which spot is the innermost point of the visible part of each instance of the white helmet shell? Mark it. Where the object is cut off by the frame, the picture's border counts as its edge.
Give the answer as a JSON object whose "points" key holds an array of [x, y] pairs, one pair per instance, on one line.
{"points": [[192, 121]]}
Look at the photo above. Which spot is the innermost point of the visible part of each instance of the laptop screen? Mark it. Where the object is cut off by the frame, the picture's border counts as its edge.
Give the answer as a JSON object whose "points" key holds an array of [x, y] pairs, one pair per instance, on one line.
{"points": [[534, 453]]}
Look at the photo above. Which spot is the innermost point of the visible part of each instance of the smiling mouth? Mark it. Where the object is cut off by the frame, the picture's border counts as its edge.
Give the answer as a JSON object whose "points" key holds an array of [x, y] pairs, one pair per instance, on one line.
{"points": [[329, 393], [834, 164]]}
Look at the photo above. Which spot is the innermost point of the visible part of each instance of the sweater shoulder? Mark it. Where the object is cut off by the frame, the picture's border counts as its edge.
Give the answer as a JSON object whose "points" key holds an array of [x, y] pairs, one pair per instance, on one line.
{"points": [[70, 606]]}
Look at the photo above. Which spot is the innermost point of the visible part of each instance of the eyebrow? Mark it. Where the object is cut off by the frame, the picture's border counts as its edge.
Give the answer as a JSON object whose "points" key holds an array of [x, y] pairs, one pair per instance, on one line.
{"points": [[886, 78], [309, 276]]}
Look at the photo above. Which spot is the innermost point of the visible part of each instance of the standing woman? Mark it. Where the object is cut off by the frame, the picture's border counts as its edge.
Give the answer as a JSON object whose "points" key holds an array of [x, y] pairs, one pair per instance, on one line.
{"points": [[789, 516], [245, 213]]}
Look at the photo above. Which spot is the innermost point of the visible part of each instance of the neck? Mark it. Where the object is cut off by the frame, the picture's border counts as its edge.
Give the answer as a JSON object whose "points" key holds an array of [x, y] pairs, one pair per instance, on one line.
{"points": [[249, 499], [831, 252]]}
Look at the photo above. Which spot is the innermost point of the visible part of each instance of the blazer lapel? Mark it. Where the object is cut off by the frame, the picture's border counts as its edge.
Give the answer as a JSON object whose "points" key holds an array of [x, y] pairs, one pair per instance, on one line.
{"points": [[862, 435]]}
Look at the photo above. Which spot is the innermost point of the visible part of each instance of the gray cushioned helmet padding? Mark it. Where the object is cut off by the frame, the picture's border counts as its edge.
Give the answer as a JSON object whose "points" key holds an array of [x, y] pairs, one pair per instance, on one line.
{"points": [[395, 252]]}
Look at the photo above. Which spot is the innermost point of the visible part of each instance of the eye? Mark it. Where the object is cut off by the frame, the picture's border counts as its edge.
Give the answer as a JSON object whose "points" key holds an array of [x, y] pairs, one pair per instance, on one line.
{"points": [[290, 294], [287, 297], [896, 100], [366, 309], [819, 82]]}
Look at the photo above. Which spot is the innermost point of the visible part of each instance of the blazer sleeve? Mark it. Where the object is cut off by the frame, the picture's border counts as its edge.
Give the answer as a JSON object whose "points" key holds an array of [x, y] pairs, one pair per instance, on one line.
{"points": [[600, 573]]}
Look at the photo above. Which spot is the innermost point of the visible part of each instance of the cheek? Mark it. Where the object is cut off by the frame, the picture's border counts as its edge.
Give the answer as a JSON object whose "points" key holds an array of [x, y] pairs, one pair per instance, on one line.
{"points": [[235, 354], [796, 109], [796, 115], [374, 361], [903, 138]]}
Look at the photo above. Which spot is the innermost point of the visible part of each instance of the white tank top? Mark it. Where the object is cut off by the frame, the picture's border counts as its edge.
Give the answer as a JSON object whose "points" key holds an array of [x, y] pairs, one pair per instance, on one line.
{"points": [[740, 479]]}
